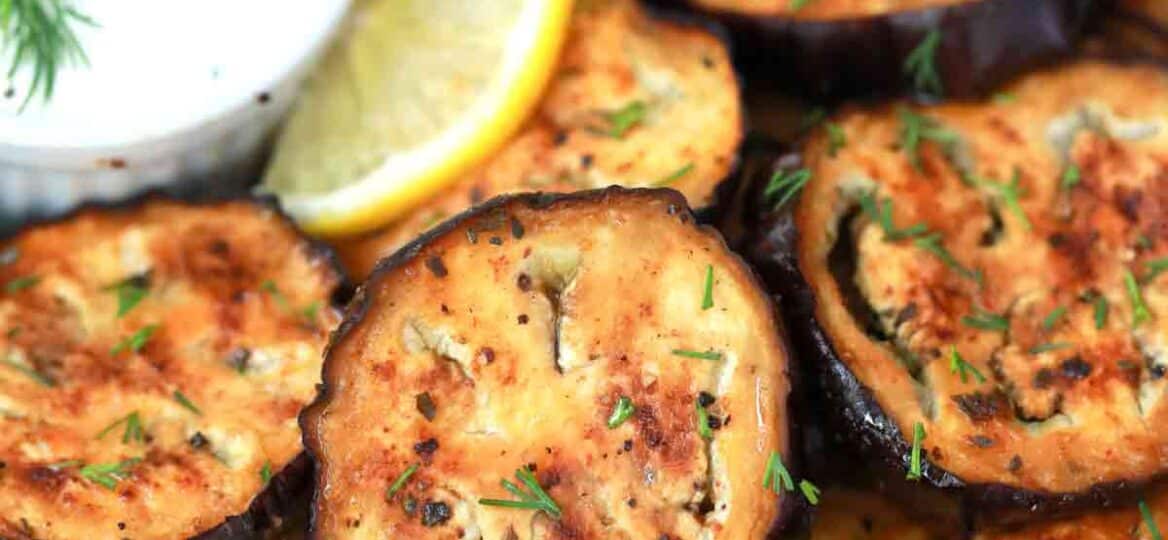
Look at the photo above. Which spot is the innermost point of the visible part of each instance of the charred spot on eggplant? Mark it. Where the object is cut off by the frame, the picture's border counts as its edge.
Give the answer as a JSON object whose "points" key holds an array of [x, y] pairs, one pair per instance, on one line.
{"points": [[149, 361], [1030, 334], [530, 405]]}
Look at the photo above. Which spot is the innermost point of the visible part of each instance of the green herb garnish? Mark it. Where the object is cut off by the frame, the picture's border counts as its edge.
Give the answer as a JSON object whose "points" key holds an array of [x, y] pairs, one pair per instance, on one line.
{"points": [[1139, 308], [1100, 312], [42, 36], [707, 355], [810, 491], [1004, 98], [1047, 347], [776, 477], [708, 294], [1010, 194], [796, 5], [266, 472], [623, 119], [932, 244], [914, 464], [401, 481], [704, 422], [785, 185], [675, 175], [812, 118], [535, 498], [108, 474], [186, 402], [1071, 176], [622, 411], [310, 311], [16, 285], [130, 292], [135, 341], [915, 128], [984, 320], [1155, 268], [921, 64], [958, 365], [31, 373], [882, 214], [270, 287], [1053, 318], [133, 428], [67, 464], [836, 138], [1150, 522]]}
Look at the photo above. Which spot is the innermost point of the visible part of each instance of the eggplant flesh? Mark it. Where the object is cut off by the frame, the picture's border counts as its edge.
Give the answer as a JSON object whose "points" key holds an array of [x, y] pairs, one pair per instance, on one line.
{"points": [[1028, 208], [667, 74], [505, 339], [982, 44], [154, 363]]}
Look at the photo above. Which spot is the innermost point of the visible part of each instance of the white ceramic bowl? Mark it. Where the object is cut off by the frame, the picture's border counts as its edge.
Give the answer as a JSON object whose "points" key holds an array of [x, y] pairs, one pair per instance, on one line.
{"points": [[178, 94]]}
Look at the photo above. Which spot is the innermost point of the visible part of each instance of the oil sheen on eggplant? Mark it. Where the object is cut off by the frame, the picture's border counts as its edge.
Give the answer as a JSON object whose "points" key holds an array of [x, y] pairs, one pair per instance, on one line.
{"points": [[847, 48], [504, 339], [668, 79], [1043, 221], [154, 356]]}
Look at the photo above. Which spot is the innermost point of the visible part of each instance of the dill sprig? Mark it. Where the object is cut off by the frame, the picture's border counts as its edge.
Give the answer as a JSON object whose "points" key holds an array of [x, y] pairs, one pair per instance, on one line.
{"points": [[130, 292], [1053, 318], [915, 128], [535, 498], [30, 372], [108, 475], [1155, 268], [712, 356], [1150, 521], [776, 477], [921, 65], [622, 120], [985, 320], [914, 464], [1100, 312], [785, 185], [1010, 193], [622, 411], [675, 175], [41, 34], [133, 428], [932, 244], [703, 422], [401, 481], [882, 214], [708, 288], [836, 138], [1139, 308], [958, 365], [810, 491]]}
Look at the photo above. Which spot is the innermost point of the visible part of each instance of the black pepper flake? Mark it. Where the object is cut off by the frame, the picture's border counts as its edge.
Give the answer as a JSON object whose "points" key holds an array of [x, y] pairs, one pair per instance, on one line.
{"points": [[523, 319], [434, 263], [1015, 464], [1056, 239], [516, 228], [410, 505], [198, 441], [1074, 368], [425, 405], [10, 93], [1157, 371], [426, 448], [906, 314], [435, 513], [586, 161], [705, 399], [496, 241], [263, 98], [628, 446], [121, 526], [238, 359], [631, 502], [560, 138], [524, 282], [714, 422], [981, 441], [708, 62]]}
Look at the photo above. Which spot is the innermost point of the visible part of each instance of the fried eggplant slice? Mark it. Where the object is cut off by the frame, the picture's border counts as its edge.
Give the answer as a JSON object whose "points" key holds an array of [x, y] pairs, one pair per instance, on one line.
{"points": [[939, 48], [153, 359], [637, 101], [596, 358], [981, 287]]}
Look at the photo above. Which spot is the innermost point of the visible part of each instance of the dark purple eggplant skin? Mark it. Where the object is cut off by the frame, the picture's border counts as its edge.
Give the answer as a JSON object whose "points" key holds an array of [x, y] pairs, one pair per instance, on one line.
{"points": [[285, 498], [793, 509], [952, 507], [983, 43]]}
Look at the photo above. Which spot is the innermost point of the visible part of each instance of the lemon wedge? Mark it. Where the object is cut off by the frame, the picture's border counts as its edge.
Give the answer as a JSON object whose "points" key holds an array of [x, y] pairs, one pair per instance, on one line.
{"points": [[414, 94]]}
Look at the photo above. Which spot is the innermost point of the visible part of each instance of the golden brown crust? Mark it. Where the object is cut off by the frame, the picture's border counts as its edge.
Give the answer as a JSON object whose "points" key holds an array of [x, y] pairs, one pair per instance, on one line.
{"points": [[822, 10], [525, 322], [615, 55], [200, 269], [1057, 420]]}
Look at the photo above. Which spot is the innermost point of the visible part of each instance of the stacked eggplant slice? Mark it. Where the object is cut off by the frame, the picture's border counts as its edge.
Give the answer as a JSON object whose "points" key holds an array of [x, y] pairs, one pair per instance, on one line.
{"points": [[592, 365], [980, 285], [849, 48], [640, 99], [152, 365]]}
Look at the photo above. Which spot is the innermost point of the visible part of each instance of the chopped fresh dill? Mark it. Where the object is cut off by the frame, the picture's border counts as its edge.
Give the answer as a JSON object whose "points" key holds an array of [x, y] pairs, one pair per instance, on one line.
{"points": [[708, 288], [534, 498], [921, 65], [620, 412], [776, 477], [785, 185], [882, 214], [914, 464], [958, 365], [401, 481]]}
